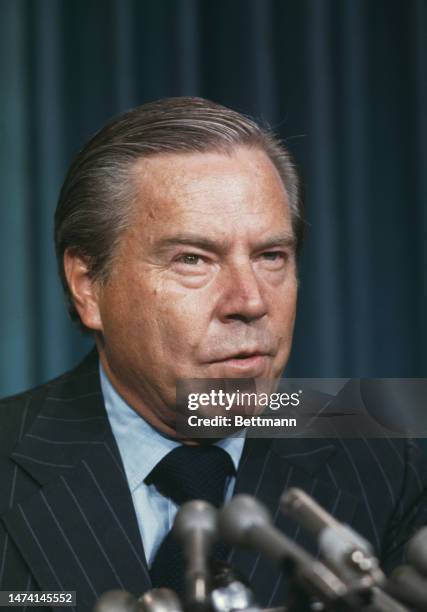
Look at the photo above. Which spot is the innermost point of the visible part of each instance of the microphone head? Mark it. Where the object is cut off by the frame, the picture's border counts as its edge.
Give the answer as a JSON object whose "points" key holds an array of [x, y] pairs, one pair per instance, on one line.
{"points": [[159, 600], [195, 515], [417, 551], [238, 516], [408, 586], [116, 601], [223, 574], [294, 497]]}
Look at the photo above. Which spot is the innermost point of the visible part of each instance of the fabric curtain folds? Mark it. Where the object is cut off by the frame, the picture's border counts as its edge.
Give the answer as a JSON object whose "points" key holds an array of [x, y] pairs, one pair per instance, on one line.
{"points": [[342, 81]]}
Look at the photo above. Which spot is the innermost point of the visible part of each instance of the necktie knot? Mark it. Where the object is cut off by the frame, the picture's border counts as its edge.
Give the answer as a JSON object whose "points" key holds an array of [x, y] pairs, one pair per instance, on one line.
{"points": [[193, 472]]}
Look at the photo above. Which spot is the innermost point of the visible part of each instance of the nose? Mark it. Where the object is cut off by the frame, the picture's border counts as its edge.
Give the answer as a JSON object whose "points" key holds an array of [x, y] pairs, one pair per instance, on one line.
{"points": [[242, 296]]}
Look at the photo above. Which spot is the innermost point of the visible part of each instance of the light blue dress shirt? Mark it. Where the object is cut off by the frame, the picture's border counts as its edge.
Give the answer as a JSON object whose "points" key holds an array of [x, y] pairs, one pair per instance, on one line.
{"points": [[141, 448]]}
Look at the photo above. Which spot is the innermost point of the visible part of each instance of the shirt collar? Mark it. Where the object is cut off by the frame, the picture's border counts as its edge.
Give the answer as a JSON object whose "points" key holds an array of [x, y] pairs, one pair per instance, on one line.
{"points": [[141, 445]]}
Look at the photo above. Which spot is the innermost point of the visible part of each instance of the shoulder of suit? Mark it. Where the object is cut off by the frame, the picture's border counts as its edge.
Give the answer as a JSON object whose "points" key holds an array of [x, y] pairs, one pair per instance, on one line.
{"points": [[18, 411], [357, 456]]}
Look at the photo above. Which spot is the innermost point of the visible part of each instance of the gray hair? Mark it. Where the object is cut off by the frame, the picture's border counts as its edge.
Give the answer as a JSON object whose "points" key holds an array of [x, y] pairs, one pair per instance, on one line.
{"points": [[95, 201]]}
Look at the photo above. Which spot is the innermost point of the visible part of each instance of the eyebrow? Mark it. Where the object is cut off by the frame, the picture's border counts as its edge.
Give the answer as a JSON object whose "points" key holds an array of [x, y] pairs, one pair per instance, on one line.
{"points": [[196, 240]]}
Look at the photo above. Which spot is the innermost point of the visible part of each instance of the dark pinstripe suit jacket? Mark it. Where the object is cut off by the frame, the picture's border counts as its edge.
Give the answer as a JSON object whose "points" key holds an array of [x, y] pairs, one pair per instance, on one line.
{"points": [[67, 518]]}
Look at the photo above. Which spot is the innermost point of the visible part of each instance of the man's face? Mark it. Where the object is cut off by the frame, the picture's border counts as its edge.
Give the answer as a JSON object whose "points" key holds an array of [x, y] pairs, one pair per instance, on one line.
{"points": [[204, 283]]}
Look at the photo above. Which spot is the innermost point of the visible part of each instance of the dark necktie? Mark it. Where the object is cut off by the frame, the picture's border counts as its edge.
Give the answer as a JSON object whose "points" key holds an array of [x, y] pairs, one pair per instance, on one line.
{"points": [[186, 473]]}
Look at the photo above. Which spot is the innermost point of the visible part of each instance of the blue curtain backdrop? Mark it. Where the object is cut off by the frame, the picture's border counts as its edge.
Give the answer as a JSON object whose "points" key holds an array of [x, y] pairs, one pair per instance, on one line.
{"points": [[343, 81]]}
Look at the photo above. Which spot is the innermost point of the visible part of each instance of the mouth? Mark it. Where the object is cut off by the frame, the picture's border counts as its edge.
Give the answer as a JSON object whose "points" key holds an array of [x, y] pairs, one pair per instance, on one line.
{"points": [[242, 355], [252, 363]]}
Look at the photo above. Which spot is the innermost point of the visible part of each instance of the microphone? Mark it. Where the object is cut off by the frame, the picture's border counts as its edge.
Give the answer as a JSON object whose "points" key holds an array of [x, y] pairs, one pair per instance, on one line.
{"points": [[230, 590], [116, 601], [159, 600], [247, 523], [344, 550], [195, 527], [417, 551], [407, 585], [383, 602]]}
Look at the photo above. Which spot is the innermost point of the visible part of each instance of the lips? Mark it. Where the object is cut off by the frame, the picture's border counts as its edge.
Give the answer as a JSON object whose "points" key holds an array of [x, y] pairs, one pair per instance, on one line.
{"points": [[242, 364], [241, 355]]}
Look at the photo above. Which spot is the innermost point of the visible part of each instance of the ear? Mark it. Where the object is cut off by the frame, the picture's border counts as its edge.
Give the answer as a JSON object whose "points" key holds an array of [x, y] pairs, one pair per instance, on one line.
{"points": [[83, 289]]}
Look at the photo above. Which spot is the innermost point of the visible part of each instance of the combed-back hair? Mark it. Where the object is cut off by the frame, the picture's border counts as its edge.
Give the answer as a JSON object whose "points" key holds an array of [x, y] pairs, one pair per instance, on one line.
{"points": [[95, 202]]}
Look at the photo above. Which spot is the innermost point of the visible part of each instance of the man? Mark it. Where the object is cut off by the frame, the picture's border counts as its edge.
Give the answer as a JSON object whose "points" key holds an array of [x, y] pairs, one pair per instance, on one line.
{"points": [[176, 231]]}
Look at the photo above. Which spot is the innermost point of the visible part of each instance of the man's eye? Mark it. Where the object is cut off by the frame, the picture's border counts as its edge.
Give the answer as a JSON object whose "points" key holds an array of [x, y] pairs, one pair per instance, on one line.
{"points": [[273, 255], [190, 259]]}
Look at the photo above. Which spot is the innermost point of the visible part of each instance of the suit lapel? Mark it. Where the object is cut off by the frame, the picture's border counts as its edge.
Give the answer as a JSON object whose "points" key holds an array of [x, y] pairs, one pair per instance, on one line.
{"points": [[268, 467], [79, 530]]}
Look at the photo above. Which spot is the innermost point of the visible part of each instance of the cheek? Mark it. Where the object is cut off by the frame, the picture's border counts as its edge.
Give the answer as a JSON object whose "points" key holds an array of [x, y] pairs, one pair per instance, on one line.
{"points": [[284, 301], [283, 318], [169, 322], [125, 313]]}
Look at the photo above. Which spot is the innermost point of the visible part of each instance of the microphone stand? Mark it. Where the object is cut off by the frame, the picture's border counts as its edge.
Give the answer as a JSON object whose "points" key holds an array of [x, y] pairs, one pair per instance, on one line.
{"points": [[346, 553], [195, 526]]}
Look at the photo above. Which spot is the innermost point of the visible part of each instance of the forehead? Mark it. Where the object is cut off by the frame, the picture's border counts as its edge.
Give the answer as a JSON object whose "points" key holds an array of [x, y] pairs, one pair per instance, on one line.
{"points": [[219, 191]]}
